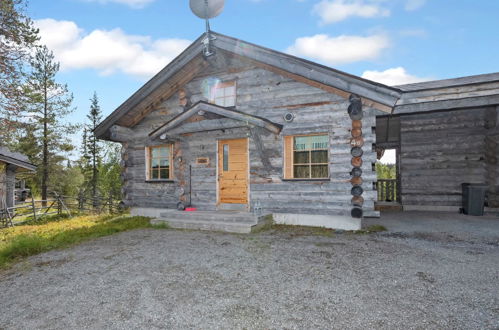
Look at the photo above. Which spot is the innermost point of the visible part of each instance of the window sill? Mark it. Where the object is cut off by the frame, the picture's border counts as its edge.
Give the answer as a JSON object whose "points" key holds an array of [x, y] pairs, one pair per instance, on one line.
{"points": [[160, 181], [310, 180]]}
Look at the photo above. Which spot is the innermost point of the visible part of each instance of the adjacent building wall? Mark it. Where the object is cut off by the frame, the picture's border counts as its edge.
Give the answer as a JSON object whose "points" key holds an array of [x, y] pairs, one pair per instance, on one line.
{"points": [[267, 95], [439, 151], [3, 185]]}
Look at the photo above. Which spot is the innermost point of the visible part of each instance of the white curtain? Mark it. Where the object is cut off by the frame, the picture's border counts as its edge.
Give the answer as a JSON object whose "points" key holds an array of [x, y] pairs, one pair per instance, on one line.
{"points": [[311, 142]]}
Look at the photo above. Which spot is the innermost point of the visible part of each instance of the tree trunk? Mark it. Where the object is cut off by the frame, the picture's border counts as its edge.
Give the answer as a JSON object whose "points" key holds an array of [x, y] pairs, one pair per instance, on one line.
{"points": [[45, 173], [94, 167]]}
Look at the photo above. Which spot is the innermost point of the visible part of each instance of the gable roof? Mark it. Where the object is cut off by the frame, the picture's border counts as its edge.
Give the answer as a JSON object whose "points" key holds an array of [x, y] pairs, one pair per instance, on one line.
{"points": [[218, 110], [16, 158], [183, 68]]}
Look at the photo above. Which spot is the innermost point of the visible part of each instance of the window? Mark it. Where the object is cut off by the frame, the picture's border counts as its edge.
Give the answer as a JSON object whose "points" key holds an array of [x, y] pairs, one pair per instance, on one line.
{"points": [[226, 158], [306, 157], [159, 162], [224, 94]]}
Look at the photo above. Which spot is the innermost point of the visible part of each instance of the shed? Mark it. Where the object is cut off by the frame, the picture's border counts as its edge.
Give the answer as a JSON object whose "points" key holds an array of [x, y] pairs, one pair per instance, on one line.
{"points": [[11, 164], [446, 133]]}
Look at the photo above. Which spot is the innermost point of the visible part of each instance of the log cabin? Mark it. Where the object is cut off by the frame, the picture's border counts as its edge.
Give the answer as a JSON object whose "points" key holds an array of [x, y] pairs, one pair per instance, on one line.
{"points": [[11, 164], [248, 131]]}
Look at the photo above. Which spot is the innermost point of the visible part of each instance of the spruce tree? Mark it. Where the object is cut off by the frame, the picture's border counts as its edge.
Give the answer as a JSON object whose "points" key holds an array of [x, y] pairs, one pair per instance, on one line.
{"points": [[93, 146], [47, 104]]}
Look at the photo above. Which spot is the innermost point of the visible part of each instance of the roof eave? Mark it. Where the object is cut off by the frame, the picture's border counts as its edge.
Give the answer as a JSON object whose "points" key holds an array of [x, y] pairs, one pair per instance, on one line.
{"points": [[19, 163], [102, 130]]}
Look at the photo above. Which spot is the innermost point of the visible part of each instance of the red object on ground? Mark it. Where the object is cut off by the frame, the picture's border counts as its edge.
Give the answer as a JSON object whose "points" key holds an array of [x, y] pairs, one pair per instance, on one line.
{"points": [[190, 209]]}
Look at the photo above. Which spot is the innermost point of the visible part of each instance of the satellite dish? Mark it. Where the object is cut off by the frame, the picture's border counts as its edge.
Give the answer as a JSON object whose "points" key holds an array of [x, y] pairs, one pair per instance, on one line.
{"points": [[206, 9]]}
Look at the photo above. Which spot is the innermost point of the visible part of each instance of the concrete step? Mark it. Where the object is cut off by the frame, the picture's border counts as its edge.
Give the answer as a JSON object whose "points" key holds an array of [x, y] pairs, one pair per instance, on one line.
{"points": [[219, 216], [232, 222], [241, 228]]}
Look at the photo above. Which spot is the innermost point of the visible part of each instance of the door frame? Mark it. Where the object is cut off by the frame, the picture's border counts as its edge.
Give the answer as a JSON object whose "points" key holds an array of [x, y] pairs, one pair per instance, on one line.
{"points": [[219, 204]]}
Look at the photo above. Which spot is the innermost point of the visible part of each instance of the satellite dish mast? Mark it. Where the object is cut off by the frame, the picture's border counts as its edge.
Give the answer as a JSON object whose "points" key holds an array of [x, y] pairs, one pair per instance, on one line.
{"points": [[207, 9]]}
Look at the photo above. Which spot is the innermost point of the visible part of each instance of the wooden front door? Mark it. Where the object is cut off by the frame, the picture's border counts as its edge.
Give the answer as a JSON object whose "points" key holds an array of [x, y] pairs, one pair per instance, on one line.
{"points": [[233, 171]]}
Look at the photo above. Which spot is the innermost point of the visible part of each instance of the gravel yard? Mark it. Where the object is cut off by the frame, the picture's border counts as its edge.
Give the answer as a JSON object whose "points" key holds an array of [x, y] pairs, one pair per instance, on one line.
{"points": [[288, 278]]}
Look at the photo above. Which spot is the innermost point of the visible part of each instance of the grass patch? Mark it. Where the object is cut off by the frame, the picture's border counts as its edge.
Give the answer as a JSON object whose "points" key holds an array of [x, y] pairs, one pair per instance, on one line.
{"points": [[23, 241], [376, 228], [267, 223], [371, 229], [304, 230], [321, 231], [161, 225]]}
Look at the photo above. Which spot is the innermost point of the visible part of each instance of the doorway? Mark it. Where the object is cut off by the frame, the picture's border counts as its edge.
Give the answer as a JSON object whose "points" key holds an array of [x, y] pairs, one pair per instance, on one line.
{"points": [[233, 172]]}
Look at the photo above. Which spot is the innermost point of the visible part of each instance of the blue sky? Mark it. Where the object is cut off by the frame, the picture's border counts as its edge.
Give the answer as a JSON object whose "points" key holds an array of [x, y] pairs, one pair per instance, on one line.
{"points": [[114, 46]]}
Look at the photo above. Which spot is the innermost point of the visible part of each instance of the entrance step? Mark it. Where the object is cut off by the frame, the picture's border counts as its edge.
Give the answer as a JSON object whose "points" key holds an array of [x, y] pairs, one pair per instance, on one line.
{"points": [[226, 221]]}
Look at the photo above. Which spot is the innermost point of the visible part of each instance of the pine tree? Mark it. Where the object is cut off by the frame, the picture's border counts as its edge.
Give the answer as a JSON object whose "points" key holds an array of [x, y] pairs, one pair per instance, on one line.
{"points": [[93, 146], [47, 103]]}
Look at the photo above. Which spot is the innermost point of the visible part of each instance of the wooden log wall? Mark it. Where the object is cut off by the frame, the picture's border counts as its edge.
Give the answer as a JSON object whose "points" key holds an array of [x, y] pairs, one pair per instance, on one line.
{"points": [[10, 184], [3, 186], [270, 96], [492, 155], [439, 151]]}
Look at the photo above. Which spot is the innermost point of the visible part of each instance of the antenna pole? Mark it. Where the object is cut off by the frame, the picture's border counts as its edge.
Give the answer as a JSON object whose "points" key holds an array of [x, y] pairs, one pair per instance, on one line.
{"points": [[207, 50]]}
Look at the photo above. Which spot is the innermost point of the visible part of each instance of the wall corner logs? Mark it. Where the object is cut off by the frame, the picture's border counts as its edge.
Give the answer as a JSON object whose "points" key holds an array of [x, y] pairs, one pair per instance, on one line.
{"points": [[356, 142]]}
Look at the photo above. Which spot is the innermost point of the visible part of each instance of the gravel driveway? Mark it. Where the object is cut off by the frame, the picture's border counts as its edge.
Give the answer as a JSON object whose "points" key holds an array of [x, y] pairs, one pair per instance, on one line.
{"points": [[280, 279]]}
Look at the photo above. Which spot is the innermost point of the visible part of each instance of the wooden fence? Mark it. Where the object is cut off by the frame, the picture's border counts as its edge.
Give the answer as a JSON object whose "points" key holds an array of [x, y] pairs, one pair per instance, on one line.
{"points": [[36, 209], [95, 205]]}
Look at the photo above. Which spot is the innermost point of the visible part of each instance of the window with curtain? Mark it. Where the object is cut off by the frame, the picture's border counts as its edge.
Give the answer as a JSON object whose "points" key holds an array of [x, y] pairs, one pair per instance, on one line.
{"points": [[306, 157], [159, 163]]}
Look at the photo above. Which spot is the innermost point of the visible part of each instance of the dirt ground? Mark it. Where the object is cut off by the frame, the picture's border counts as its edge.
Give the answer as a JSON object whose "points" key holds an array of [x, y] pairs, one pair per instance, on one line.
{"points": [[288, 278]]}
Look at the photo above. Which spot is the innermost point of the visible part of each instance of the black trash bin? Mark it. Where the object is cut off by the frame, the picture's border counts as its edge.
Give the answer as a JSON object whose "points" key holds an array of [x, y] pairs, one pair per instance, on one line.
{"points": [[473, 198]]}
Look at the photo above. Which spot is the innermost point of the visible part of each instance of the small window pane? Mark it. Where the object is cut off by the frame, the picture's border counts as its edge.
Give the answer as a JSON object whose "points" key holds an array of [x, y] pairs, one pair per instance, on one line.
{"points": [[154, 163], [230, 101], [155, 152], [164, 151], [301, 171], [219, 92], [155, 174], [319, 171], [164, 173], [301, 157], [229, 91], [226, 157], [319, 141], [164, 162], [302, 143], [319, 156]]}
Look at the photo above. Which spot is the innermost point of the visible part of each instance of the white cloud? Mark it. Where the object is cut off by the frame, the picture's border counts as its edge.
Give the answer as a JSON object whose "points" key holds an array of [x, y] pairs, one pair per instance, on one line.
{"points": [[132, 3], [393, 77], [332, 11], [341, 49], [108, 51], [411, 5]]}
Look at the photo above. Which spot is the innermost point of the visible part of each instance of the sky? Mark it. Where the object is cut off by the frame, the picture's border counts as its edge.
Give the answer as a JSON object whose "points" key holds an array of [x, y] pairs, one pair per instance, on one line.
{"points": [[113, 47]]}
